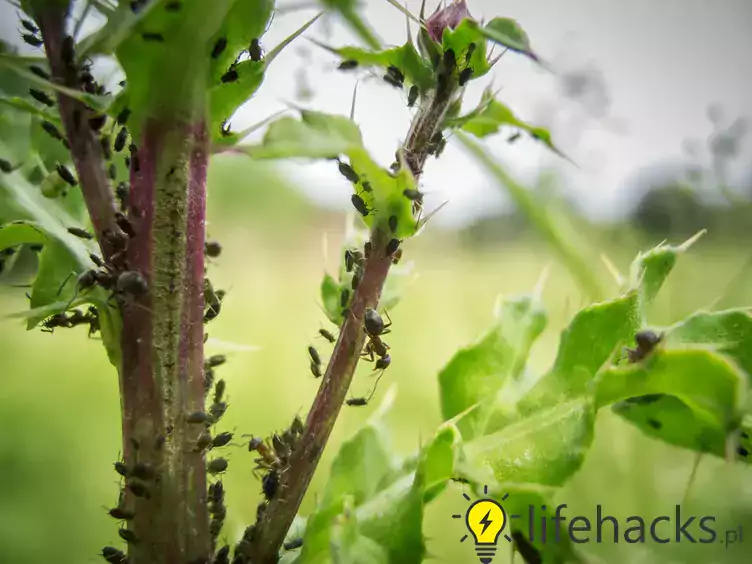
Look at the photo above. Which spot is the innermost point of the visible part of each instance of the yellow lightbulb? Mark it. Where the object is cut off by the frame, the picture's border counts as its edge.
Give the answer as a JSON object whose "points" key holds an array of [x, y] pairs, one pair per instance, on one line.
{"points": [[486, 519]]}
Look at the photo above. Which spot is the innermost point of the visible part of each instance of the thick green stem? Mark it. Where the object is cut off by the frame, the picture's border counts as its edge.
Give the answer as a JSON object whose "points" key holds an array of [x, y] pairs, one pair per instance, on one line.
{"points": [[271, 530], [162, 376]]}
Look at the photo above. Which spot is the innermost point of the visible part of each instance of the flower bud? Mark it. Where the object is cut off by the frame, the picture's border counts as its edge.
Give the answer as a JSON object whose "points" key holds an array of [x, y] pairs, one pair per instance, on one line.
{"points": [[450, 17]]}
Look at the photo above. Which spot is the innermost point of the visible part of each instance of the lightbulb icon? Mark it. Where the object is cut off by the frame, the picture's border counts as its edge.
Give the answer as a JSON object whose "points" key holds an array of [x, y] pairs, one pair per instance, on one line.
{"points": [[485, 519]]}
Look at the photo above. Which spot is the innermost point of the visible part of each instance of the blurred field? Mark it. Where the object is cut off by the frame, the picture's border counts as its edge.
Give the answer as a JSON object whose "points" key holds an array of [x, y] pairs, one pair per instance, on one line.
{"points": [[59, 410]]}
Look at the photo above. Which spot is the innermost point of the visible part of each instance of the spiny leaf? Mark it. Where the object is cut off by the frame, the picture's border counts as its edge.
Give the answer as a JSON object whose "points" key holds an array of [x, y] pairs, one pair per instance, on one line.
{"points": [[545, 448], [508, 33], [386, 199], [20, 233], [318, 135], [712, 387], [19, 67], [416, 69], [476, 373], [585, 345], [226, 98], [245, 20], [438, 460], [460, 39], [651, 268], [315, 135], [728, 332], [492, 115]]}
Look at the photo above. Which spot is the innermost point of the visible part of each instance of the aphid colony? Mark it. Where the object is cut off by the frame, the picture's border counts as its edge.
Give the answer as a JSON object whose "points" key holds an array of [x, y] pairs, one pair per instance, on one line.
{"points": [[113, 273]]}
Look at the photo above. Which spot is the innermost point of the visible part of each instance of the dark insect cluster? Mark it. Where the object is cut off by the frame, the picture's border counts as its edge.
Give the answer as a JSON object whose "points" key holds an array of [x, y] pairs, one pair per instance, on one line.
{"points": [[274, 456]]}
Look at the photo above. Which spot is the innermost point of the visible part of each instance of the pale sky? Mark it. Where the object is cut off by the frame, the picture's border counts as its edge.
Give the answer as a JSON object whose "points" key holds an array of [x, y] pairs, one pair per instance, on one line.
{"points": [[662, 63]]}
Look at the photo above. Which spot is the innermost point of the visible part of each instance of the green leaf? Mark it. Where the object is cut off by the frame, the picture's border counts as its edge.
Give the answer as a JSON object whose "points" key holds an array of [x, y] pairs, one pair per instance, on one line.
{"points": [[319, 135], [585, 345], [476, 373], [394, 519], [438, 460], [348, 9], [459, 40], [710, 385], [387, 199], [728, 332], [24, 105], [63, 256], [330, 298], [349, 546], [492, 115], [508, 33], [360, 466], [227, 98], [20, 233], [650, 269], [406, 58], [314, 136], [245, 20], [546, 447], [373, 504], [704, 387], [20, 67]]}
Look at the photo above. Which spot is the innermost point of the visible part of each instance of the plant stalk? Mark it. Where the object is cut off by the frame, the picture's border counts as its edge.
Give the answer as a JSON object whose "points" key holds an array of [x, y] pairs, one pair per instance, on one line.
{"points": [[85, 148], [162, 375], [270, 531]]}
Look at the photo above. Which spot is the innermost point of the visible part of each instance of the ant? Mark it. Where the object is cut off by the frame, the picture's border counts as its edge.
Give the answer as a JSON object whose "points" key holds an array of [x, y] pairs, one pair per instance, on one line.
{"points": [[646, 341]]}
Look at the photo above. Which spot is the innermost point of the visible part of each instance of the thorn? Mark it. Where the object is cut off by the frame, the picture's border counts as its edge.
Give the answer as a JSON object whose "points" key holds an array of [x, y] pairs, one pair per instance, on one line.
{"points": [[611, 267], [692, 240], [542, 279], [407, 24], [352, 106]]}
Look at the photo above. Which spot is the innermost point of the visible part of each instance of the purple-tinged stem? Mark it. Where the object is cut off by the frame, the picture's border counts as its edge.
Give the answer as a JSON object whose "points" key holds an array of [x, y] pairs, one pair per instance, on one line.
{"points": [[271, 530], [85, 147], [163, 378]]}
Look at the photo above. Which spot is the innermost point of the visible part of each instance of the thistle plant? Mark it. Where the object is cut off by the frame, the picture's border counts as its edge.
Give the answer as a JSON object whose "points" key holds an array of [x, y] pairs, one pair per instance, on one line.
{"points": [[116, 210]]}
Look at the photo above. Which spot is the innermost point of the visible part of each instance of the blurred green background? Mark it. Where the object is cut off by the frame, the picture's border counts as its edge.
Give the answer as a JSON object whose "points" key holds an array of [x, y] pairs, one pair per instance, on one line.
{"points": [[59, 411]]}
